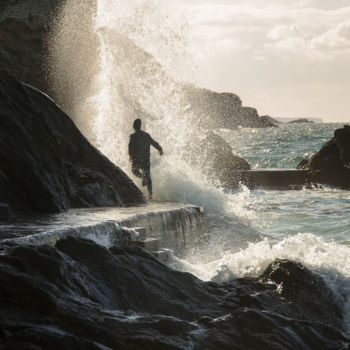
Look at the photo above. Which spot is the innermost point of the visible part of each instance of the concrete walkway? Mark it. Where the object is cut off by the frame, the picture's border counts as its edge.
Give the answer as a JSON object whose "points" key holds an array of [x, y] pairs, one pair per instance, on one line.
{"points": [[174, 225]]}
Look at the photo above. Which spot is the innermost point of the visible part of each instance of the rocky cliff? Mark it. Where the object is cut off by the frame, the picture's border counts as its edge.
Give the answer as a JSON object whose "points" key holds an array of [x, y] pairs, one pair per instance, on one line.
{"points": [[46, 164], [222, 110]]}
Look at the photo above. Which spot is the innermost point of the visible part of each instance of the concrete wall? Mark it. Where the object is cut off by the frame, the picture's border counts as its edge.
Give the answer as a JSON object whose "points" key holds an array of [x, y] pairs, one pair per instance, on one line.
{"points": [[272, 178], [176, 229]]}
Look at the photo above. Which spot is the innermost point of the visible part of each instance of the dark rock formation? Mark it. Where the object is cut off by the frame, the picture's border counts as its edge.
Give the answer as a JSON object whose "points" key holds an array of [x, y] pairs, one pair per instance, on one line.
{"points": [[82, 296], [271, 120], [301, 120], [35, 13], [21, 52], [300, 286], [222, 110], [331, 165], [46, 164], [214, 157], [303, 165], [4, 212]]}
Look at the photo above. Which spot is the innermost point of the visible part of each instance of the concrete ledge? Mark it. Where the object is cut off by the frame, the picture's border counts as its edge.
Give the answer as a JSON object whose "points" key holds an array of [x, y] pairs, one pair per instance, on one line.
{"points": [[175, 229], [107, 233], [273, 178], [175, 226]]}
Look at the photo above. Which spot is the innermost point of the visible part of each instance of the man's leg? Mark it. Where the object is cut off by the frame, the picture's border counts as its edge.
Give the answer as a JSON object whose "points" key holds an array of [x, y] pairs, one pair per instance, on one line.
{"points": [[147, 174], [143, 172], [137, 170]]}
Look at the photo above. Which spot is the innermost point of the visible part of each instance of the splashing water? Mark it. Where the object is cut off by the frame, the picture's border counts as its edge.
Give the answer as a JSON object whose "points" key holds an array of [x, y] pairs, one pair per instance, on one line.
{"points": [[133, 84], [139, 53], [144, 57]]}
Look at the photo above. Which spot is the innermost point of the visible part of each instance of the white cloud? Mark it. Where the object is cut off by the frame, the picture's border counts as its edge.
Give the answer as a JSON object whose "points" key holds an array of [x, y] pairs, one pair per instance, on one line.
{"points": [[281, 25], [335, 39], [285, 31]]}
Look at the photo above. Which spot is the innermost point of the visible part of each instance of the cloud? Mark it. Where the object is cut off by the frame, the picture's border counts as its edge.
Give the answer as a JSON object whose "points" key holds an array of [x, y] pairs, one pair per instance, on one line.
{"points": [[336, 39], [310, 28]]}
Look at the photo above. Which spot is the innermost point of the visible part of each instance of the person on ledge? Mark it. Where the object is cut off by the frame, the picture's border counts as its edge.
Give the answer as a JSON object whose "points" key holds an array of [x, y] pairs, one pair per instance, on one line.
{"points": [[139, 155]]}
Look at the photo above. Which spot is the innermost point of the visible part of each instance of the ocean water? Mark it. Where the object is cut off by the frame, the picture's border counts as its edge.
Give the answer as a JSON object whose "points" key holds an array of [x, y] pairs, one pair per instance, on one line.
{"points": [[282, 147], [251, 228]]}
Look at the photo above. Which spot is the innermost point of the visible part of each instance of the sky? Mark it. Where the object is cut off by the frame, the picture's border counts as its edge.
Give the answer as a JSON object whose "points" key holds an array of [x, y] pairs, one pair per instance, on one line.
{"points": [[286, 58]]}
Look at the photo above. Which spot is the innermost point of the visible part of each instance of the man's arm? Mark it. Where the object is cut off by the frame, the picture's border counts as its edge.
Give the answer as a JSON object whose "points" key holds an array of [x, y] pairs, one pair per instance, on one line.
{"points": [[156, 145]]}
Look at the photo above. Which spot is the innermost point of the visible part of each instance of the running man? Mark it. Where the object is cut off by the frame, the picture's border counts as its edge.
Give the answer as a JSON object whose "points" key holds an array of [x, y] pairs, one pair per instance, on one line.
{"points": [[139, 154]]}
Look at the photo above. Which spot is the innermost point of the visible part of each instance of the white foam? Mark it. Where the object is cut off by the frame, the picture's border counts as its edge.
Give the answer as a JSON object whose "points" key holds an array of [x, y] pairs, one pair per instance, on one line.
{"points": [[329, 259]]}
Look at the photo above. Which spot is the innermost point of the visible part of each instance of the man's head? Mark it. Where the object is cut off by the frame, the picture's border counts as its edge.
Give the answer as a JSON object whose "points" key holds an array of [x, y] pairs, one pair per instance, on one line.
{"points": [[137, 124]]}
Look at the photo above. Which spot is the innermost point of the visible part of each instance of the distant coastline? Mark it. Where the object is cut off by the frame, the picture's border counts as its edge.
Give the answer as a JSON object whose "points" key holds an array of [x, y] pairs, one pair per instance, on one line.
{"points": [[288, 120]]}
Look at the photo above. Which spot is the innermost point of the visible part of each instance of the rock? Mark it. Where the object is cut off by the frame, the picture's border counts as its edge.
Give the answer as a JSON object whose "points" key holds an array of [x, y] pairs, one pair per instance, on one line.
{"points": [[4, 212], [214, 110], [269, 120], [81, 296], [305, 289], [249, 117], [47, 165], [301, 121], [331, 165], [21, 52], [303, 165], [214, 157]]}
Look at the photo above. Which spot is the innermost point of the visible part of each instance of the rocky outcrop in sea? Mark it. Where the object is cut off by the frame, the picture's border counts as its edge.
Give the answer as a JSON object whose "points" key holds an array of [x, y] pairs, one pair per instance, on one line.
{"points": [[331, 164], [301, 121], [214, 157], [47, 165]]}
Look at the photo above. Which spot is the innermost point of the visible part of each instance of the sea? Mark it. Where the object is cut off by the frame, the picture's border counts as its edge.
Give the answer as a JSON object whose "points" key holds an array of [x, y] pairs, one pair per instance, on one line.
{"points": [[252, 227]]}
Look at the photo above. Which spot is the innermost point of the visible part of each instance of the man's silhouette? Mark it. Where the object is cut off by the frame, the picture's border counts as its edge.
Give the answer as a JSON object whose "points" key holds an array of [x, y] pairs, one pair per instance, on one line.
{"points": [[139, 153]]}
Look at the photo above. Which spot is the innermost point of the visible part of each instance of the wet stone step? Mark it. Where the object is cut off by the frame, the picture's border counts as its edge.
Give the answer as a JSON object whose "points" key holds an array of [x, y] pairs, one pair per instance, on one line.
{"points": [[151, 244], [142, 233], [162, 254]]}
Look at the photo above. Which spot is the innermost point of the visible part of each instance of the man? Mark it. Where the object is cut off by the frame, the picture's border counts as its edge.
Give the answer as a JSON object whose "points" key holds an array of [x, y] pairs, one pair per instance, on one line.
{"points": [[139, 153]]}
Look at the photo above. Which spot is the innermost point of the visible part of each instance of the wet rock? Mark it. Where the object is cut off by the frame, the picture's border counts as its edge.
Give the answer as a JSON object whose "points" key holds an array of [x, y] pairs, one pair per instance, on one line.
{"points": [[21, 52], [331, 165], [81, 296], [308, 291], [214, 157], [303, 165], [4, 212], [47, 165]]}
